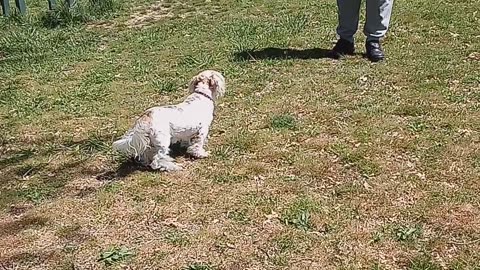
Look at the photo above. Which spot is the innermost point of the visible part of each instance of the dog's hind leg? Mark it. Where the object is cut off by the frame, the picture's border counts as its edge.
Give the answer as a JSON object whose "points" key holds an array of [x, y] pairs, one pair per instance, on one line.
{"points": [[161, 160], [197, 147]]}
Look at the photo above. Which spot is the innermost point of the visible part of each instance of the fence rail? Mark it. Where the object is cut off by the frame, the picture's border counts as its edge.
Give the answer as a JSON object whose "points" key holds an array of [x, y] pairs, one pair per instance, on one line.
{"points": [[22, 7]]}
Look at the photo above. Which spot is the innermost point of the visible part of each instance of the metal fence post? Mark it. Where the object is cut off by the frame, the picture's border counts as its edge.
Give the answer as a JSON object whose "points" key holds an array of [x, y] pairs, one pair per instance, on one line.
{"points": [[21, 6], [52, 4], [5, 7]]}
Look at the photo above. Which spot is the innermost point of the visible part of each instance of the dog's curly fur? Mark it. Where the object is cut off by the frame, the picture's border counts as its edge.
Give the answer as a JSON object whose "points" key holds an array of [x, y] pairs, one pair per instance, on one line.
{"points": [[188, 123]]}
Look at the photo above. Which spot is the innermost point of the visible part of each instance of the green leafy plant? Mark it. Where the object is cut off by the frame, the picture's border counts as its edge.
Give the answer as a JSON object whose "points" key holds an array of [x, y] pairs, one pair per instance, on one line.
{"points": [[198, 266], [114, 255], [283, 121], [406, 233]]}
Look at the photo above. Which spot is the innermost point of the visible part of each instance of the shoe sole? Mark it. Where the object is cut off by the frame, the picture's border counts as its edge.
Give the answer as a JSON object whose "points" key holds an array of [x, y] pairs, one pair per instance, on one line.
{"points": [[337, 55], [375, 59]]}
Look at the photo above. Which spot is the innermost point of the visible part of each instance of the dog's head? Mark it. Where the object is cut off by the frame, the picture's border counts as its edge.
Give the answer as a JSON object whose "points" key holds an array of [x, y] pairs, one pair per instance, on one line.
{"points": [[212, 79]]}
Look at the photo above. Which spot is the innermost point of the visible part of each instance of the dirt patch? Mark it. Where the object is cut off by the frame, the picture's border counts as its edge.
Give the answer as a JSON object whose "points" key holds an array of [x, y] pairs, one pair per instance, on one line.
{"points": [[154, 13], [161, 10], [457, 220], [9, 227], [19, 209], [101, 25], [473, 56]]}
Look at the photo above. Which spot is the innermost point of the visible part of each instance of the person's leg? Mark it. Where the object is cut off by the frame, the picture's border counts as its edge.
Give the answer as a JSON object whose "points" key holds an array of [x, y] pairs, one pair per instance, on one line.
{"points": [[348, 15], [376, 26], [377, 19]]}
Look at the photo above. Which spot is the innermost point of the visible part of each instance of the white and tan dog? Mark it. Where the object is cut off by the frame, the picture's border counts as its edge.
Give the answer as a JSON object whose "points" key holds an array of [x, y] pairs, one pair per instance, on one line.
{"points": [[188, 123]]}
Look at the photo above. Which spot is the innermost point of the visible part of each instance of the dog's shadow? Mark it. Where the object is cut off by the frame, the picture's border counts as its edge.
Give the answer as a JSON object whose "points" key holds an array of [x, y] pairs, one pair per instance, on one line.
{"points": [[176, 150], [130, 166], [126, 168]]}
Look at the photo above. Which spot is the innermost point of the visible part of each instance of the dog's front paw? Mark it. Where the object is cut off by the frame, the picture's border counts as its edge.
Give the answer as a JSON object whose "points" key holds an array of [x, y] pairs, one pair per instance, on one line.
{"points": [[172, 168], [201, 153], [165, 166]]}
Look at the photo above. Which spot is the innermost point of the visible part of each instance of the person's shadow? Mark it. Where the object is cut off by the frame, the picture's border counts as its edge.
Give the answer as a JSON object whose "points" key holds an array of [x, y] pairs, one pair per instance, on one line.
{"points": [[281, 54]]}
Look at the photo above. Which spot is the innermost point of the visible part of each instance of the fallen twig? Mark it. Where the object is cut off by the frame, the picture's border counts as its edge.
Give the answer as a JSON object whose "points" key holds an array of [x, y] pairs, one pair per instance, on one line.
{"points": [[464, 243]]}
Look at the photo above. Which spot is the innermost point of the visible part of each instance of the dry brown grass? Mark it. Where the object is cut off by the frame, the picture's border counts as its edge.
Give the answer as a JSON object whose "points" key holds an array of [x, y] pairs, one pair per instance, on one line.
{"points": [[316, 164]]}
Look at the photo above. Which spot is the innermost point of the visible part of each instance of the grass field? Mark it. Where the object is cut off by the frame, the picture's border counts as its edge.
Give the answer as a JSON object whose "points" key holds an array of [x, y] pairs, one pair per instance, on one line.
{"points": [[316, 163]]}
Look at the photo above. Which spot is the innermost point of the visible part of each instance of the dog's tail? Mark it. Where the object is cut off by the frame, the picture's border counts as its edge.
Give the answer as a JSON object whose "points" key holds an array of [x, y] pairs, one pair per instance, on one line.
{"points": [[135, 142]]}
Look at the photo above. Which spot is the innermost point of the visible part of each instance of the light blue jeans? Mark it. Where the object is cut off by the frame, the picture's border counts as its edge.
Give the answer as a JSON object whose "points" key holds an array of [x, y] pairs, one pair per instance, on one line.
{"points": [[377, 18]]}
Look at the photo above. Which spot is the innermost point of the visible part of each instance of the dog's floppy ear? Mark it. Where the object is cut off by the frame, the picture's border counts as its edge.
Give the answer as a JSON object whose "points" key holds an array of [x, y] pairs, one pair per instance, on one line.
{"points": [[193, 82], [212, 83], [217, 85]]}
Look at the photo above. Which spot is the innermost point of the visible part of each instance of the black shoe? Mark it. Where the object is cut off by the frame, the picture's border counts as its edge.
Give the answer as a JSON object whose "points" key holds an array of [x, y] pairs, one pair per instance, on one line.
{"points": [[342, 48], [374, 51]]}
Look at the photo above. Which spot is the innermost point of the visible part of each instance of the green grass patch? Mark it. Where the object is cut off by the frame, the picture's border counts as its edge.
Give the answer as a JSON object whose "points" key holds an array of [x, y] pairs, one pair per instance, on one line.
{"points": [[115, 255], [283, 121], [299, 214]]}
